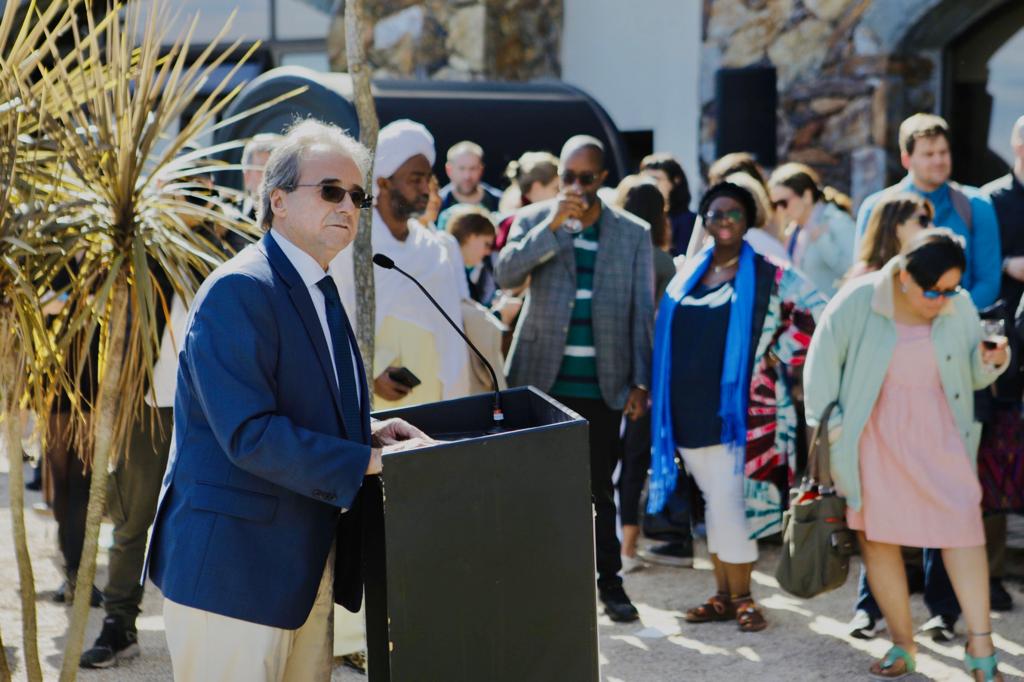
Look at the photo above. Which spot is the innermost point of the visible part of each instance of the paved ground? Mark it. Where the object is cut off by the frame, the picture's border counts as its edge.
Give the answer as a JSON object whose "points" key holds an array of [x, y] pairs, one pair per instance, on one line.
{"points": [[805, 640]]}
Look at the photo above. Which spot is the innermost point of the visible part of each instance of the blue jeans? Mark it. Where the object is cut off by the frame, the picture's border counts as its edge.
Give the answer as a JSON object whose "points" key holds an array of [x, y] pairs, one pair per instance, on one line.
{"points": [[938, 591]]}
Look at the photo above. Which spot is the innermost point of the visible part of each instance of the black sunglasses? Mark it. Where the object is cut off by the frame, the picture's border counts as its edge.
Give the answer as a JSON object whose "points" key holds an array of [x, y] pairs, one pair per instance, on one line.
{"points": [[570, 178], [735, 216], [335, 194]]}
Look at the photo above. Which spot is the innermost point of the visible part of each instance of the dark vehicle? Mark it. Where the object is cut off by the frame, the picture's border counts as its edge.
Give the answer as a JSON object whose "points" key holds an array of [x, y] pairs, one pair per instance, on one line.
{"points": [[506, 119]]}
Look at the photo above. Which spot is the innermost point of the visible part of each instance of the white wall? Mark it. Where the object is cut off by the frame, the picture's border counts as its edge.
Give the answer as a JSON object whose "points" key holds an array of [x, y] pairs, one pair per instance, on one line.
{"points": [[641, 61]]}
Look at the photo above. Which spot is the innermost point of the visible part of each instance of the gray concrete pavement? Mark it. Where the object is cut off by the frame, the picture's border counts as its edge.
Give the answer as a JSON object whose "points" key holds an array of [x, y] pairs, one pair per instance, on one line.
{"points": [[805, 639]]}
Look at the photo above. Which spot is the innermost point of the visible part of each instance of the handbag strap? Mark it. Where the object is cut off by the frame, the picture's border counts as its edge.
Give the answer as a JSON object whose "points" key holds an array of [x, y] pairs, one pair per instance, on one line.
{"points": [[819, 464]]}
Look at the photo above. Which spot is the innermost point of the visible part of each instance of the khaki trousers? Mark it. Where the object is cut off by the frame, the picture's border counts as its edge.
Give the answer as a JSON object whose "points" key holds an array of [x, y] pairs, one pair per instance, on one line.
{"points": [[208, 646]]}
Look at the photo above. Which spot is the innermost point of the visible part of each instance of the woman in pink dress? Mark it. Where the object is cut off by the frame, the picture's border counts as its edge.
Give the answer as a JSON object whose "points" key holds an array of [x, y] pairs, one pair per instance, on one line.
{"points": [[901, 349]]}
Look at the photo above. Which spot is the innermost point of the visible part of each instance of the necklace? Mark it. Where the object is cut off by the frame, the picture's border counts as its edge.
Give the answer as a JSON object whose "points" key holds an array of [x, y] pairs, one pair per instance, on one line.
{"points": [[727, 264]]}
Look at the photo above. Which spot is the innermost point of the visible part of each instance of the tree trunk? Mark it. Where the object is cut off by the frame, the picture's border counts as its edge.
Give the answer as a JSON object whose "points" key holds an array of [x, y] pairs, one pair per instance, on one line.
{"points": [[5, 671], [108, 404], [9, 378], [362, 248]]}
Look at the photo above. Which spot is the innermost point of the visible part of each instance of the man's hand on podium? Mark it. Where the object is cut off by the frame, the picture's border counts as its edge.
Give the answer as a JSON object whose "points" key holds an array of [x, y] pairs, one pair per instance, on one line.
{"points": [[393, 435]]}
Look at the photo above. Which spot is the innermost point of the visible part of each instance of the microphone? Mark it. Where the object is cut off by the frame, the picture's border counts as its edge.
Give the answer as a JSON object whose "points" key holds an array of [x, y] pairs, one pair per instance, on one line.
{"points": [[382, 261]]}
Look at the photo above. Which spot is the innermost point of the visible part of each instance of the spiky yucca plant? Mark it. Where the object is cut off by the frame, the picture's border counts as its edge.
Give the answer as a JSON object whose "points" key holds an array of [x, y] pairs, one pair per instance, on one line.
{"points": [[29, 184], [131, 174]]}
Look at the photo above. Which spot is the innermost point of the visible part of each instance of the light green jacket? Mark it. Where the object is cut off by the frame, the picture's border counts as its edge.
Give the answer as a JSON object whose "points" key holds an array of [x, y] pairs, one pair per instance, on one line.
{"points": [[850, 354]]}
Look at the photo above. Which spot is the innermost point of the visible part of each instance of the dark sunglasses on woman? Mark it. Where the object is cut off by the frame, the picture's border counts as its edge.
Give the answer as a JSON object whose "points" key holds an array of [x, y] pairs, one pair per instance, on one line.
{"points": [[734, 216], [932, 294]]}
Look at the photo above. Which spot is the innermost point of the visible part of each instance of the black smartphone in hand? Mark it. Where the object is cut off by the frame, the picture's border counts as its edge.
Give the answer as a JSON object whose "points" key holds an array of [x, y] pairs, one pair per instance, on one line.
{"points": [[403, 376]]}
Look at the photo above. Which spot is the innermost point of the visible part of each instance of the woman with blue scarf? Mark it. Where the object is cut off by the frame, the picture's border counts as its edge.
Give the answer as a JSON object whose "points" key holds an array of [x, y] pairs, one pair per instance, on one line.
{"points": [[732, 331]]}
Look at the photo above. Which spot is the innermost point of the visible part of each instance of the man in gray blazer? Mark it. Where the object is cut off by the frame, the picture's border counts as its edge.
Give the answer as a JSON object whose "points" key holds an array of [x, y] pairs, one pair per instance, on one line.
{"points": [[584, 335]]}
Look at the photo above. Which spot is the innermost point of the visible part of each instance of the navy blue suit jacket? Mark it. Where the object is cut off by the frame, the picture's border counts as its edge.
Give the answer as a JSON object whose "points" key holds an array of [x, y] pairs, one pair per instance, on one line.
{"points": [[261, 468]]}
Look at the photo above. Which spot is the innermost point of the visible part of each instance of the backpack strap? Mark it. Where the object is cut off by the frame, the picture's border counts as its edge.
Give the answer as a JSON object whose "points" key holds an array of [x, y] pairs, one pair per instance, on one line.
{"points": [[961, 204]]}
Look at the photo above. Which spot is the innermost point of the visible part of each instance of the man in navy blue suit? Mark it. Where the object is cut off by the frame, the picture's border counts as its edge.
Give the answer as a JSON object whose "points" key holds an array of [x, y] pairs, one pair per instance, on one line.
{"points": [[257, 531]]}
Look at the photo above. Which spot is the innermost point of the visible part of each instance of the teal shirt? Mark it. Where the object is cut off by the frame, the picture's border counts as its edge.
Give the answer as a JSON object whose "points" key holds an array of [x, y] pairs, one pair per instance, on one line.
{"points": [[577, 377], [850, 354]]}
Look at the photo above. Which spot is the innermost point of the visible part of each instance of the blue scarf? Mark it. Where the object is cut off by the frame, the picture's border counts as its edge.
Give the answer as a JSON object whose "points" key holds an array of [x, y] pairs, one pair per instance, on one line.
{"points": [[735, 383]]}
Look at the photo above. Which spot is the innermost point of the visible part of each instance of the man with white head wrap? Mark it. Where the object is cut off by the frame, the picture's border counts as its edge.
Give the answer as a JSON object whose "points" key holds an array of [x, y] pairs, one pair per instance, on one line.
{"points": [[409, 332]]}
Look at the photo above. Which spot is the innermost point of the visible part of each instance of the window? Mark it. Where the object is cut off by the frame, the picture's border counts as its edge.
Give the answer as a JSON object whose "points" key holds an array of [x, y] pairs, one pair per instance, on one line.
{"points": [[311, 60], [251, 23], [302, 19], [1006, 86]]}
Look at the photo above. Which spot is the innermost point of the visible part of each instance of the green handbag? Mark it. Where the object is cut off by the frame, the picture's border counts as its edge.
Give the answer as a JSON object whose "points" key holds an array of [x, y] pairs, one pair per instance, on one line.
{"points": [[816, 543]]}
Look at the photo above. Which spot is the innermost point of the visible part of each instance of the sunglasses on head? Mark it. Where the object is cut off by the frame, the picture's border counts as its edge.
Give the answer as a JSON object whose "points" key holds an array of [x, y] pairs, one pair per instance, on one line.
{"points": [[932, 294], [585, 179], [734, 216], [335, 194]]}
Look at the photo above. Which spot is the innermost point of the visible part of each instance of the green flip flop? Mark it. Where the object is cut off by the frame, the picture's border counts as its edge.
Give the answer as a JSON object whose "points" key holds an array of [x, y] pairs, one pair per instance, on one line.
{"points": [[893, 655], [986, 664]]}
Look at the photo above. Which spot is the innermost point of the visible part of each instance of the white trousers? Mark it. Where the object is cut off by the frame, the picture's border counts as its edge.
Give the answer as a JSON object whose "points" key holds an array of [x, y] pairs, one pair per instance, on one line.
{"points": [[725, 513], [207, 646], [349, 631]]}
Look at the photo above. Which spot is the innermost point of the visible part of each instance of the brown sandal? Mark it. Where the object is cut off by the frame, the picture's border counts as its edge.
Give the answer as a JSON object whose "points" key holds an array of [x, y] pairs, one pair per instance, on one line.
{"points": [[717, 608], [749, 614]]}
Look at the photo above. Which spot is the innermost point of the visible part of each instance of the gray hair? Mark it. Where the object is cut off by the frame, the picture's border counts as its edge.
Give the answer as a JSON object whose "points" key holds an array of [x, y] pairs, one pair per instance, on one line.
{"points": [[263, 143], [284, 165], [465, 147]]}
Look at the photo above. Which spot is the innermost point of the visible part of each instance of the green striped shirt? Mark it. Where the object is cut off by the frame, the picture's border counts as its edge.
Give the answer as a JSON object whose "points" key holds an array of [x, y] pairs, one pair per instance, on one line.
{"points": [[577, 377]]}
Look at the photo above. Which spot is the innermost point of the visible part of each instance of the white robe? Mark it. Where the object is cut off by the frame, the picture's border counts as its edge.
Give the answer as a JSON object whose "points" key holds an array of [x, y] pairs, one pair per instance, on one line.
{"points": [[425, 256]]}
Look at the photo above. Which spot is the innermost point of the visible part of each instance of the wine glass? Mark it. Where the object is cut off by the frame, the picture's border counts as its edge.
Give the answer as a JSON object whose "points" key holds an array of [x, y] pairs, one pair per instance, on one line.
{"points": [[993, 333]]}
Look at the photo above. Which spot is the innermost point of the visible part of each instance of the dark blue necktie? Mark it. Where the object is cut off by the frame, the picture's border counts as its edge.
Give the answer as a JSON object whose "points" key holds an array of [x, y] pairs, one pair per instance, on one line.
{"points": [[337, 323]]}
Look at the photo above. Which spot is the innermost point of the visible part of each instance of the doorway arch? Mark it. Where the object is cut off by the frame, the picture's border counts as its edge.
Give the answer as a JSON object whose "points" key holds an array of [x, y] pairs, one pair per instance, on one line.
{"points": [[976, 50]]}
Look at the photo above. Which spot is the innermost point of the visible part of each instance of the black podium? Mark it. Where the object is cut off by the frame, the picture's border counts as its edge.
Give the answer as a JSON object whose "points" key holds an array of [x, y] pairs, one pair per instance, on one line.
{"points": [[479, 552]]}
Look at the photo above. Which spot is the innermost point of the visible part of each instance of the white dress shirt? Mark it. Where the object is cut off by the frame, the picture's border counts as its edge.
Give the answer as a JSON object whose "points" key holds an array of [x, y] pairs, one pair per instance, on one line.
{"points": [[311, 273], [165, 371]]}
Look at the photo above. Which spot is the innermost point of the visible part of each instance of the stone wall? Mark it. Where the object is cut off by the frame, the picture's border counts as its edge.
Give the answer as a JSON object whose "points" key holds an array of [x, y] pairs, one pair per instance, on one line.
{"points": [[459, 39], [848, 72]]}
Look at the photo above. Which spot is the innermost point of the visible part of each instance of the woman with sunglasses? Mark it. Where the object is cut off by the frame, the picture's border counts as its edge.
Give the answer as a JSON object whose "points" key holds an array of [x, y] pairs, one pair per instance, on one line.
{"points": [[898, 218], [730, 325], [894, 221], [820, 232], [901, 351]]}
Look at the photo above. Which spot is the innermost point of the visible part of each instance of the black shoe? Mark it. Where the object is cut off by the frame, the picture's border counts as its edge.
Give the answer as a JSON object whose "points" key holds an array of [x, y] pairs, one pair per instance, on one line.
{"points": [[864, 625], [65, 594], [115, 643], [679, 554], [940, 628], [36, 484], [617, 605], [999, 598]]}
